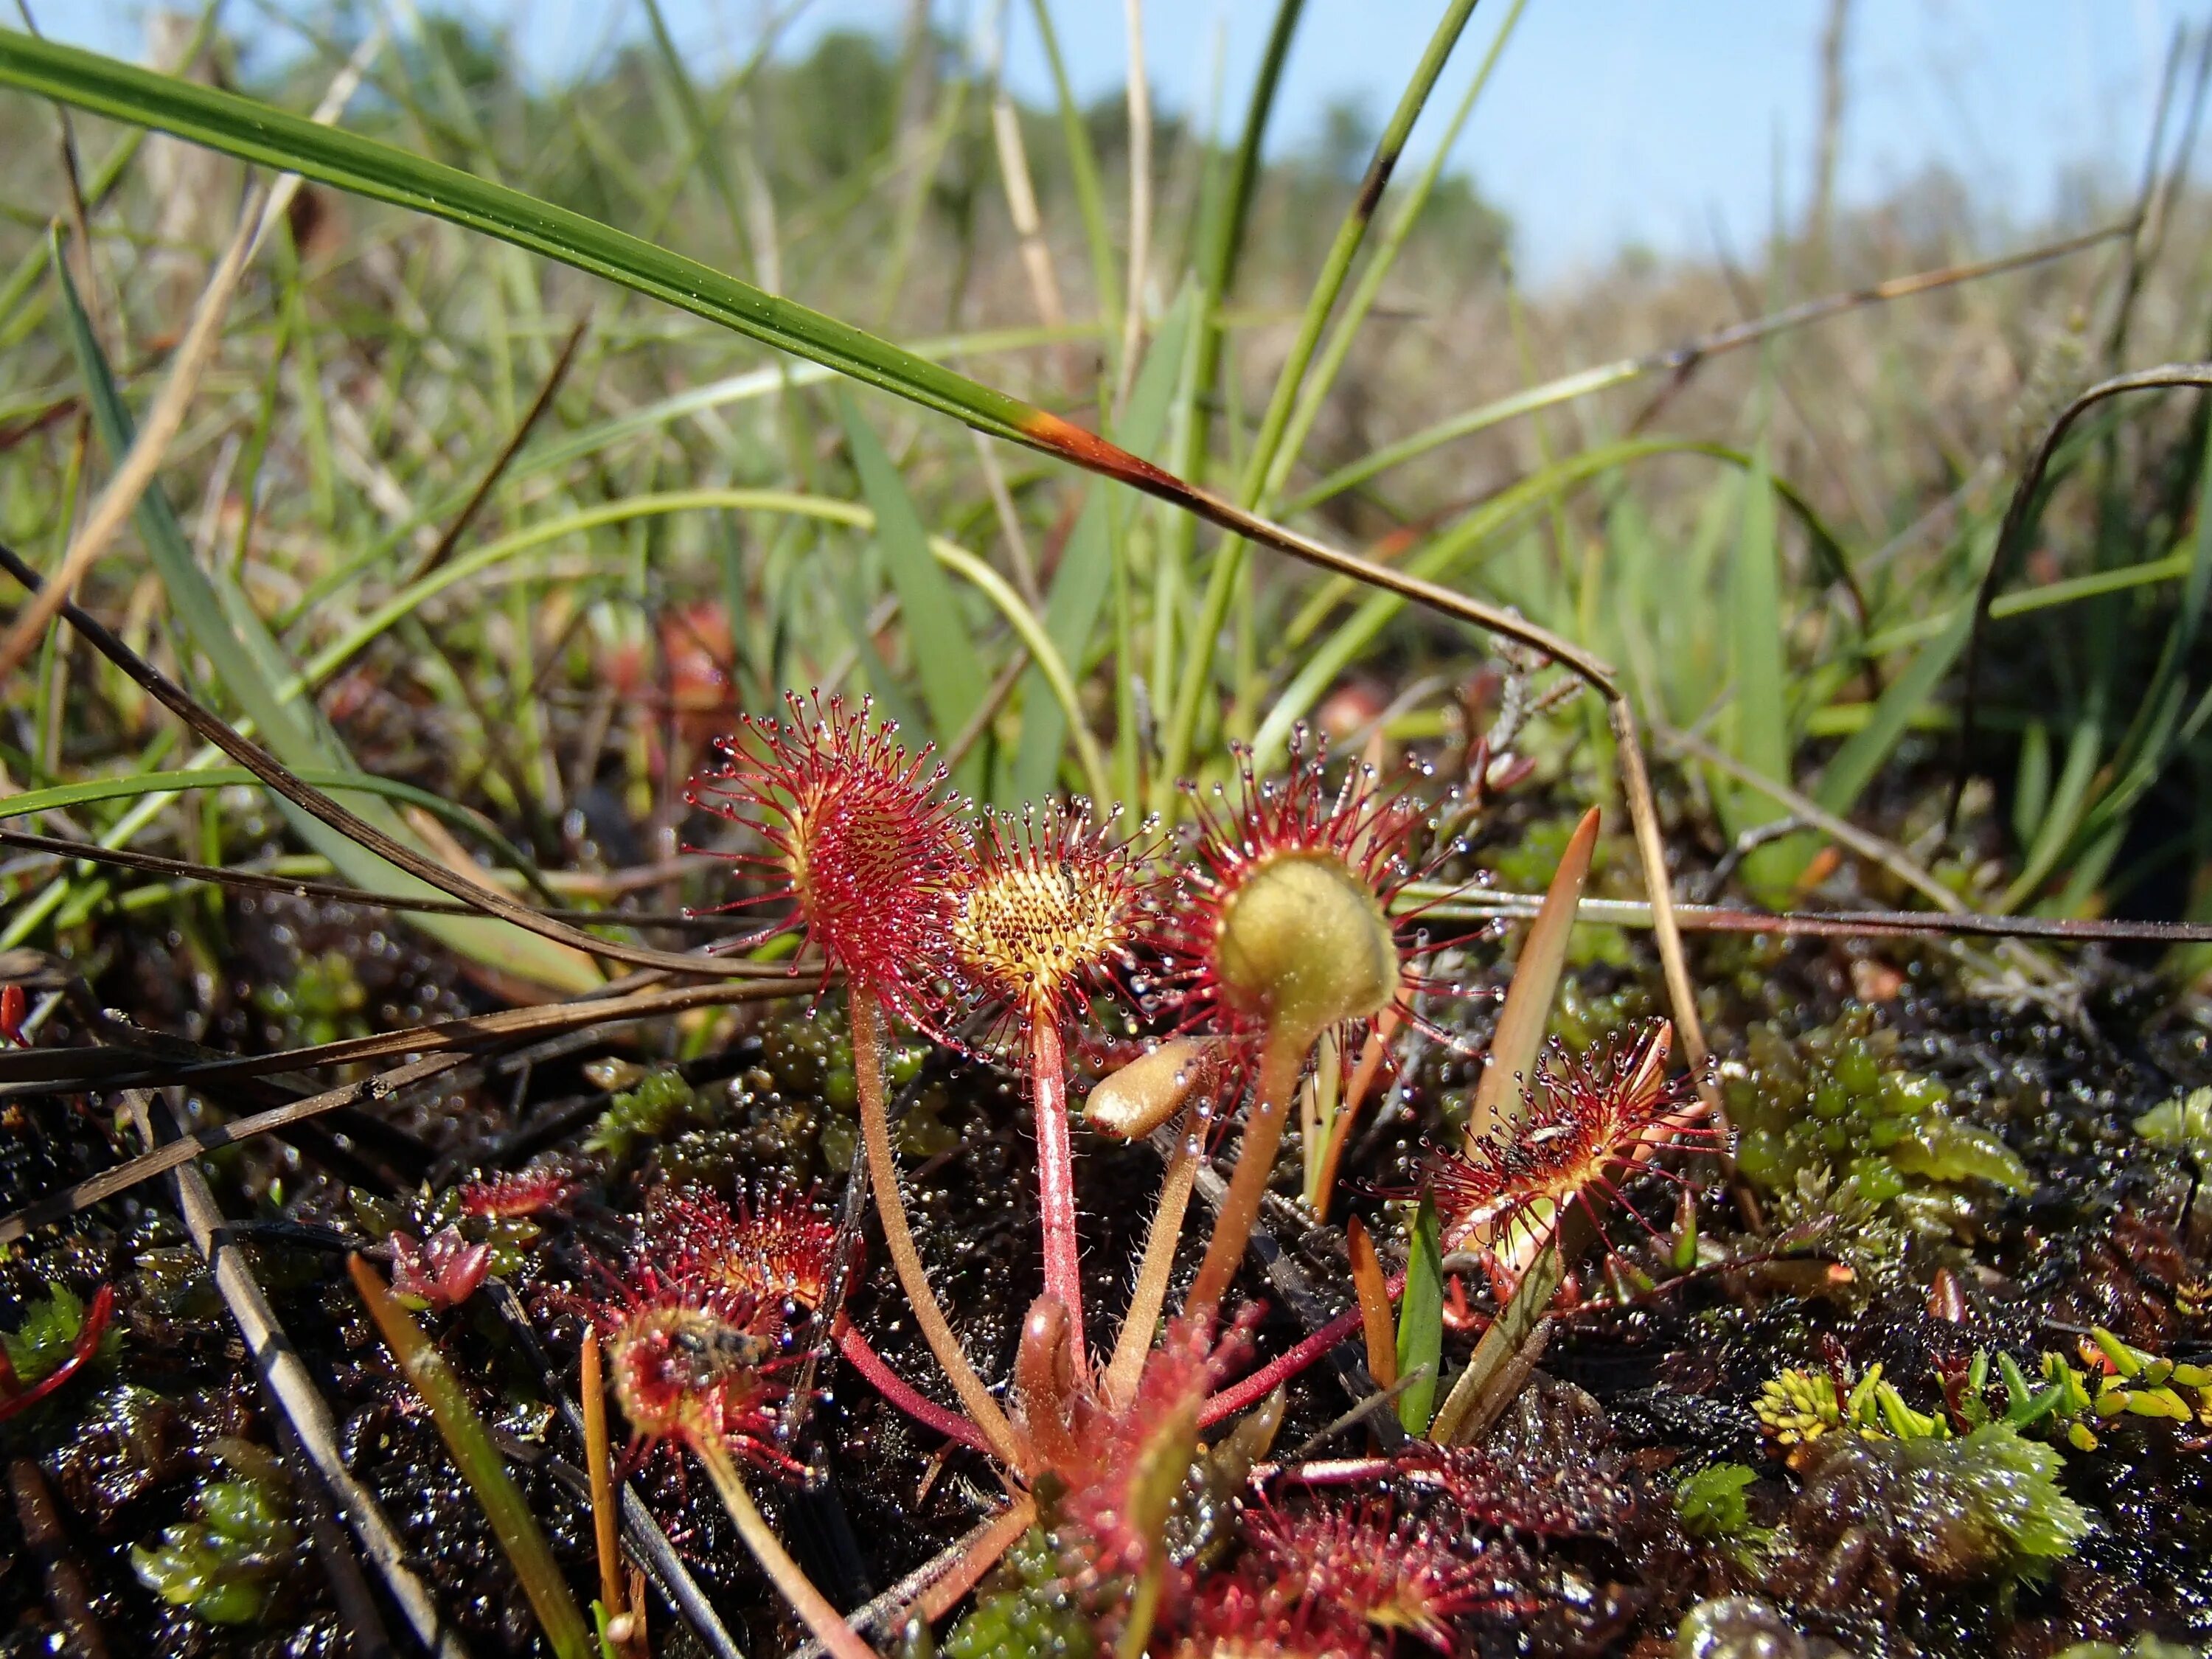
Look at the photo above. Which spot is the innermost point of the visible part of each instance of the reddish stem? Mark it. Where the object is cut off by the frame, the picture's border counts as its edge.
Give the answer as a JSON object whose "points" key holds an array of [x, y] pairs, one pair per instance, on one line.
{"points": [[1056, 1158], [1262, 1382], [898, 1237], [88, 1340], [1281, 1055], [903, 1395]]}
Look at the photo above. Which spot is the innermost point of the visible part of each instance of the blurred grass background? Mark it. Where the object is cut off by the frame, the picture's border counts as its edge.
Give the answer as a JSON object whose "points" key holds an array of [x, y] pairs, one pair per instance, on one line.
{"points": [[539, 615]]}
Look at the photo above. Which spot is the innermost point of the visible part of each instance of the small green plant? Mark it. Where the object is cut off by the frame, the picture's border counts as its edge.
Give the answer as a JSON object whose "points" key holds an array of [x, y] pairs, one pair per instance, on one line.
{"points": [[1712, 1505], [1800, 1406], [2182, 1125], [227, 1564], [1027, 1612], [48, 1336], [1838, 1099], [650, 1112], [324, 1002]]}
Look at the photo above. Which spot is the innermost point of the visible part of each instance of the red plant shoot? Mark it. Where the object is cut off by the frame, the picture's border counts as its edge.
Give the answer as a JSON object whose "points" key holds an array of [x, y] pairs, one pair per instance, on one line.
{"points": [[442, 1271], [865, 850], [517, 1194], [1124, 1469], [1050, 911], [1587, 1120], [694, 1364], [701, 1367], [777, 1249], [860, 845], [16, 1397]]}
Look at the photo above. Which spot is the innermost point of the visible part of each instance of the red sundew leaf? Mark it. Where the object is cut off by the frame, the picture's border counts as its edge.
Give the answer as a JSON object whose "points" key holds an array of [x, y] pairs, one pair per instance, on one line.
{"points": [[441, 1272], [860, 844]]}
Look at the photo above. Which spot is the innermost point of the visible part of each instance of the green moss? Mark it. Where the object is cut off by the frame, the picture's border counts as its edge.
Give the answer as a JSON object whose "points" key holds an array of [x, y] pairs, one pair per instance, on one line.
{"points": [[662, 1103], [1839, 1100], [1949, 1510], [1026, 1613], [228, 1564], [47, 1335], [1711, 1502], [2183, 1126], [324, 1002]]}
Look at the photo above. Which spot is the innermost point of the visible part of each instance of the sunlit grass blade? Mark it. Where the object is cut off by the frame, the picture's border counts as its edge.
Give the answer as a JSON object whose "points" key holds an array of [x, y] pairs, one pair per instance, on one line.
{"points": [[1440, 558], [252, 667], [1759, 706], [520, 1538], [1520, 1032], [938, 647], [1262, 470], [1420, 1321], [260, 133], [1089, 198], [1078, 586]]}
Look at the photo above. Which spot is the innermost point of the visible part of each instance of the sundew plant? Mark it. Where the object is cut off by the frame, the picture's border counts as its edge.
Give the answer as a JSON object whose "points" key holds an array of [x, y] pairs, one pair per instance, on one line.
{"points": [[797, 860]]}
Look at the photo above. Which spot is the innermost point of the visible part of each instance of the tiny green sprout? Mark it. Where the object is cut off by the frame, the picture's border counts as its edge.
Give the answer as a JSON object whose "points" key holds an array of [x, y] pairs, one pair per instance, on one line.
{"points": [[228, 1564], [1800, 1406], [1711, 1502], [645, 1113], [48, 1336], [2182, 1125]]}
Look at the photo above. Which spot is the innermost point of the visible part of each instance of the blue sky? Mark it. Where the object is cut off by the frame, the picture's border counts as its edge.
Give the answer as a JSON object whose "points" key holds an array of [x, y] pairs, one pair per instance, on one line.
{"points": [[1609, 121]]}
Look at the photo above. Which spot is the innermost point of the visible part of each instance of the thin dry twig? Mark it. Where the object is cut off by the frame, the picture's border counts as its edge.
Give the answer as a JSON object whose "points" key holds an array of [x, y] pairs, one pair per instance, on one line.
{"points": [[454, 1034], [286, 1379], [257, 760]]}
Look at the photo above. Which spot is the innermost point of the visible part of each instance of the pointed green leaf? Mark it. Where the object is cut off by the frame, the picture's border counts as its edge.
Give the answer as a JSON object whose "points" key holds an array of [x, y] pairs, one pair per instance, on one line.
{"points": [[1421, 1320], [941, 653], [252, 665]]}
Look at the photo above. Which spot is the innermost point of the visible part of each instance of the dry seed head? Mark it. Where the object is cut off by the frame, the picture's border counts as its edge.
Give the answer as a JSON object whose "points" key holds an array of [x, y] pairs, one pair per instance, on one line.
{"points": [[1132, 1101], [1303, 940]]}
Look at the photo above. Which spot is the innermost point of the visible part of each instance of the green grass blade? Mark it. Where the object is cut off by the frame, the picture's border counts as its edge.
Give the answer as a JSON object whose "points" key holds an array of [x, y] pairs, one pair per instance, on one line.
{"points": [[1421, 1320], [1437, 562], [1078, 586], [261, 133], [701, 128], [65, 797], [1089, 198], [1220, 240], [252, 665], [1380, 263], [1262, 471], [478, 1458], [938, 644], [1863, 754], [1759, 731]]}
